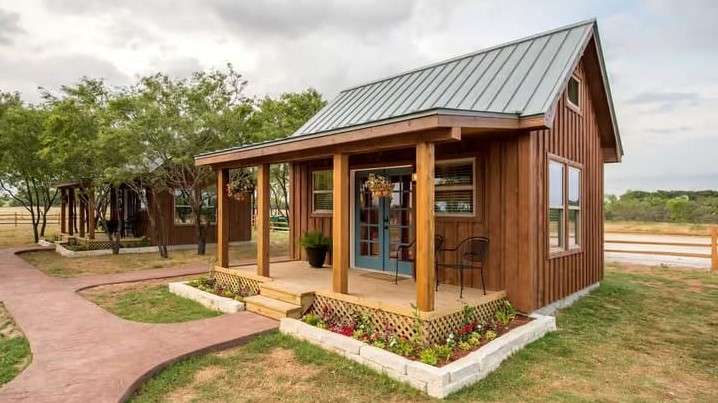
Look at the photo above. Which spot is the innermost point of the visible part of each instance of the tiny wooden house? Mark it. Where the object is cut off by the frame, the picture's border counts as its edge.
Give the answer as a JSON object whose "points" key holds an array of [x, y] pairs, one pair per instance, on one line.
{"points": [[507, 144]]}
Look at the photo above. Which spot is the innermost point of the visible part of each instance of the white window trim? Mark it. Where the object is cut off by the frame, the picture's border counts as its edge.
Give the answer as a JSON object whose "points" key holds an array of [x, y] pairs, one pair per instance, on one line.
{"points": [[579, 208], [321, 211], [562, 231], [459, 187], [573, 106]]}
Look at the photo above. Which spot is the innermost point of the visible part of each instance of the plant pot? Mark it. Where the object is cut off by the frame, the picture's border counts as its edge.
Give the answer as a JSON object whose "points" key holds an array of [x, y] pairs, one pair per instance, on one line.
{"points": [[316, 256]]}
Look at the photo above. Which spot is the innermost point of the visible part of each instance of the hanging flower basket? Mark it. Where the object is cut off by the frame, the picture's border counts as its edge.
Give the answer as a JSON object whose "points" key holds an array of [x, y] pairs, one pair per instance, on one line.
{"points": [[240, 186], [379, 186]]}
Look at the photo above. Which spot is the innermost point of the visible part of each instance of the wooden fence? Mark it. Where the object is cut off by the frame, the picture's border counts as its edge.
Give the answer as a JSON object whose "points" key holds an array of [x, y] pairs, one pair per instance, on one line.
{"points": [[17, 219]]}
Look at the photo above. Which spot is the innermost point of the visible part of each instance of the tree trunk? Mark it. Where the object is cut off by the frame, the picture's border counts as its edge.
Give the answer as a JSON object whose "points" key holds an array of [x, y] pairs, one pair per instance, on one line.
{"points": [[201, 231]]}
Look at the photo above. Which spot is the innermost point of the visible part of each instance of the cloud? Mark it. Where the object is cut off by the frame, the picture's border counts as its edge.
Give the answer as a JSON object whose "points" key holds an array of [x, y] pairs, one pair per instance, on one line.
{"points": [[670, 130], [9, 26], [26, 75], [666, 101]]}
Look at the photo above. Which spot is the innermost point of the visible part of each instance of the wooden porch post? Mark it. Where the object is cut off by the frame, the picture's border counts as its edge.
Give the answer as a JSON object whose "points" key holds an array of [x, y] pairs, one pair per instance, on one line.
{"points": [[63, 208], [71, 210], [263, 220], [425, 282], [222, 218], [340, 224], [83, 213], [91, 214]]}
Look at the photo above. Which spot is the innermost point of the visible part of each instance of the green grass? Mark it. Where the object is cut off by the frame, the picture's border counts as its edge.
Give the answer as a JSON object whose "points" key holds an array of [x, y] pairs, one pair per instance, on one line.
{"points": [[148, 303], [15, 351], [647, 334]]}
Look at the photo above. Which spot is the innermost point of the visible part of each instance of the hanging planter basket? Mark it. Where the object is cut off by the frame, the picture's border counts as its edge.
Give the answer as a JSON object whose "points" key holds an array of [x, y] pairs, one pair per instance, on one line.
{"points": [[379, 185], [241, 186]]}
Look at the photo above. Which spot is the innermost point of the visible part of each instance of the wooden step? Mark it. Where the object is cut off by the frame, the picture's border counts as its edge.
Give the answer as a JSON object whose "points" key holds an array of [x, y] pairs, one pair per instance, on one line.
{"points": [[288, 293], [272, 308]]}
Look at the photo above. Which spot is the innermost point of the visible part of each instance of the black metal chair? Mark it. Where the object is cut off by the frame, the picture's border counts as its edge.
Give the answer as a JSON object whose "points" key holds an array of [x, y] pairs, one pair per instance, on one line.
{"points": [[470, 255], [438, 245]]}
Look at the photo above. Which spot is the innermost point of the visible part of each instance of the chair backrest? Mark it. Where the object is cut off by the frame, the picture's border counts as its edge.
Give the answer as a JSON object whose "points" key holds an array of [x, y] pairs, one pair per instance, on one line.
{"points": [[438, 242], [474, 249]]}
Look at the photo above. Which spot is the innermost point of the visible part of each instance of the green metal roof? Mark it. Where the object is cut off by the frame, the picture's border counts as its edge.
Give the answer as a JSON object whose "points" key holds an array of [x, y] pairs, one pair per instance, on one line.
{"points": [[521, 78]]}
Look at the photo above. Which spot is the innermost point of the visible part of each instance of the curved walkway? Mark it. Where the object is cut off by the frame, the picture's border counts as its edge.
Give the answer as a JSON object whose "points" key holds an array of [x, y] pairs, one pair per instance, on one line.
{"points": [[84, 353]]}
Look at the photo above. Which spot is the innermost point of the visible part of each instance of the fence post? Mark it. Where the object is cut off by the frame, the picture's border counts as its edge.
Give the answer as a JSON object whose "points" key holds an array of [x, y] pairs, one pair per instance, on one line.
{"points": [[714, 249], [16, 219]]}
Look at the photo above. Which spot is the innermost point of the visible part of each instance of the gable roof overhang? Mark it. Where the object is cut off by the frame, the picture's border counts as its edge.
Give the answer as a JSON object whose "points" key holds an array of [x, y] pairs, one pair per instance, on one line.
{"points": [[439, 125]]}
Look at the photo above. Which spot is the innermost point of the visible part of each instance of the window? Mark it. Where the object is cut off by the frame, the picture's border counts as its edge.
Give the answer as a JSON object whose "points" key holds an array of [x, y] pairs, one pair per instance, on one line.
{"points": [[573, 92], [183, 208], [556, 206], [574, 207], [454, 187], [564, 204], [322, 185]]}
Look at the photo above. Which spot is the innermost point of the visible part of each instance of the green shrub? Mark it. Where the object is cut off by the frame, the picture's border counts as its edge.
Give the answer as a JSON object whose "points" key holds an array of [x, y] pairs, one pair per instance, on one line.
{"points": [[315, 239], [428, 356]]}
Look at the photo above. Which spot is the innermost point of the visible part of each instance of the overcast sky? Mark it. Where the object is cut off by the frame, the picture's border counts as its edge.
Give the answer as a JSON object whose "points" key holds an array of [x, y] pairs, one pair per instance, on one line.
{"points": [[662, 56]]}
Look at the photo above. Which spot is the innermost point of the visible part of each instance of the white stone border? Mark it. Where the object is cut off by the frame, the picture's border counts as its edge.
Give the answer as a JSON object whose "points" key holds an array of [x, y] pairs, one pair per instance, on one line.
{"points": [[209, 300], [567, 301], [437, 382], [63, 251]]}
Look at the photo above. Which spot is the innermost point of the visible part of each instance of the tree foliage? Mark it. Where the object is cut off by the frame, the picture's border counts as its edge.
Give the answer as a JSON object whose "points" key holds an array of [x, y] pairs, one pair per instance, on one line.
{"points": [[664, 206]]}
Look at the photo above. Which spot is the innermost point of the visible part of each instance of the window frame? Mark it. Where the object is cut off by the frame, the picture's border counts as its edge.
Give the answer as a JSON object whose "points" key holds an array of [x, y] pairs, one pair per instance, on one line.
{"points": [[173, 193], [473, 187], [579, 208], [576, 107], [565, 249], [321, 212]]}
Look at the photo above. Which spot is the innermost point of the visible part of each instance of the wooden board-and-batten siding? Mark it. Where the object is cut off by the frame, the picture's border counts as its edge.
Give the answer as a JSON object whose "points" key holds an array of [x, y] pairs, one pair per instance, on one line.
{"points": [[511, 199], [575, 137]]}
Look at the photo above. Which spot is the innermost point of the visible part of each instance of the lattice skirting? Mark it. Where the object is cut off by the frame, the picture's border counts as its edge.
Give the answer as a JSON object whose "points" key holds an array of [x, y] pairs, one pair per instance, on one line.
{"points": [[434, 329], [235, 282], [98, 244]]}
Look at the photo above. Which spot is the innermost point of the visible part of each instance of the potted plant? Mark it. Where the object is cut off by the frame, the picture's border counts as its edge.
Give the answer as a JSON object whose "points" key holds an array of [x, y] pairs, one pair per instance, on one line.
{"points": [[316, 244], [379, 185], [241, 185]]}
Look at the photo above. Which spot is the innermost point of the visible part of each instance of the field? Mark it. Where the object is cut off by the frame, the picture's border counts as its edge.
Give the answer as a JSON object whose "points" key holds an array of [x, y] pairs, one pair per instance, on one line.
{"points": [[21, 235], [621, 343], [657, 228]]}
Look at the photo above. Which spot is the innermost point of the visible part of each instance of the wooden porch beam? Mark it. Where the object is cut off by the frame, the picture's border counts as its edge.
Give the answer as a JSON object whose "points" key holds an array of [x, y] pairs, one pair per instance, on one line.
{"points": [[222, 218], [83, 212], [263, 220], [340, 224], [425, 281]]}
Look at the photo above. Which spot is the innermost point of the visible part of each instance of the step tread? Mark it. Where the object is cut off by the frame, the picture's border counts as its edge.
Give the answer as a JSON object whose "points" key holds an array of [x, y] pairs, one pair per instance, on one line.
{"points": [[287, 288], [271, 303]]}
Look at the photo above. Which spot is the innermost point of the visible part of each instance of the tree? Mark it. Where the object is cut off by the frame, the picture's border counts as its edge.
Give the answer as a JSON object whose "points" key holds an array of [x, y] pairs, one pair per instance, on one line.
{"points": [[25, 174], [73, 144], [278, 118]]}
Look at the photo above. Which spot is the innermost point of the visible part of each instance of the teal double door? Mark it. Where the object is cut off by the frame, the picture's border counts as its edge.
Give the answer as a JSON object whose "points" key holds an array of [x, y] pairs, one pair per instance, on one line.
{"points": [[384, 223]]}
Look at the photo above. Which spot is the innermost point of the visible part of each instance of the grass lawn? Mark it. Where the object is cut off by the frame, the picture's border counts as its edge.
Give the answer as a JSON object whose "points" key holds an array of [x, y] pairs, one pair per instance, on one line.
{"points": [[56, 265], [148, 301], [660, 228], [647, 334], [14, 349]]}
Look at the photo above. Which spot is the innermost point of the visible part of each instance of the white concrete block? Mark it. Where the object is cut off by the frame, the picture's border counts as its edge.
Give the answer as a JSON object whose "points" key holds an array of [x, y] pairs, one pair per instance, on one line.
{"points": [[342, 343], [288, 326], [209, 300], [309, 332], [384, 358], [428, 373]]}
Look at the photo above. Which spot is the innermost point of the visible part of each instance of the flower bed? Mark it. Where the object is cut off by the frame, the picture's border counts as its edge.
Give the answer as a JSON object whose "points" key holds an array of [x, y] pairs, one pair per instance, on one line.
{"points": [[212, 286], [470, 337], [206, 298]]}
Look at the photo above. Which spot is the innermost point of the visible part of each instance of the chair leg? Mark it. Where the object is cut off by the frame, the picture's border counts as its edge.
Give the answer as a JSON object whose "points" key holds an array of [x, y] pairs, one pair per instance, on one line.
{"points": [[461, 281], [396, 272]]}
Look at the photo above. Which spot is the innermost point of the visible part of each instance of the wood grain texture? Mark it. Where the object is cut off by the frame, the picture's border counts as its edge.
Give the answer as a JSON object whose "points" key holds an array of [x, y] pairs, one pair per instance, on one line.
{"points": [[424, 266], [262, 221], [340, 224], [222, 218]]}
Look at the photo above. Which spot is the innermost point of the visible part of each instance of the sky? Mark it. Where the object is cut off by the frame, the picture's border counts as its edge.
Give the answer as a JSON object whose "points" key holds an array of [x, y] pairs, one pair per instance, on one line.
{"points": [[661, 56]]}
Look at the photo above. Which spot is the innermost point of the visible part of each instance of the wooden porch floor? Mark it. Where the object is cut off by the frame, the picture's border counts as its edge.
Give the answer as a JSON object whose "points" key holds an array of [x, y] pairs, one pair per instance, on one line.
{"points": [[376, 289]]}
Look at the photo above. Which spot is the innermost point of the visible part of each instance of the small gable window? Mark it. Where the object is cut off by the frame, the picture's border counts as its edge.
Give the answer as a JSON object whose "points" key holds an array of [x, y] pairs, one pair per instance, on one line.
{"points": [[573, 92]]}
